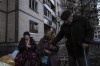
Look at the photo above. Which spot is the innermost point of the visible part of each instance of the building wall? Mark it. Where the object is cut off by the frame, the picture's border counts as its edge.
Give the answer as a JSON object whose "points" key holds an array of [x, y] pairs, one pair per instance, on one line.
{"points": [[3, 5], [11, 21], [26, 14], [24, 7], [2, 26], [11, 27], [3, 9], [11, 5], [24, 26]]}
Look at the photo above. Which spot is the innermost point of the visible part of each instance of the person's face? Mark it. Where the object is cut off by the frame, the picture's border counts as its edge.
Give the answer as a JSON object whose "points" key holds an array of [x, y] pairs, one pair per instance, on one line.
{"points": [[69, 20], [26, 37], [48, 35]]}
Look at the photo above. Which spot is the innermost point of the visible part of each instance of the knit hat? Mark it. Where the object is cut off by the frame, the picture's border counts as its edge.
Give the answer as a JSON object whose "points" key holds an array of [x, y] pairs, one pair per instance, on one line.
{"points": [[26, 33], [49, 34], [65, 14]]}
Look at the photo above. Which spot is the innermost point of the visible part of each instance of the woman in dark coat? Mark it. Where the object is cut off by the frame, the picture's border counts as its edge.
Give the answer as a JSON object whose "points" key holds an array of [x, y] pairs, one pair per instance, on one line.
{"points": [[27, 47], [46, 49]]}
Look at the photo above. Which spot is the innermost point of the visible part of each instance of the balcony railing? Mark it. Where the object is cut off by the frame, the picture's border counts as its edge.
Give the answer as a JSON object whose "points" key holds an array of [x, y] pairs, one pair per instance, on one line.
{"points": [[52, 12], [52, 1]]}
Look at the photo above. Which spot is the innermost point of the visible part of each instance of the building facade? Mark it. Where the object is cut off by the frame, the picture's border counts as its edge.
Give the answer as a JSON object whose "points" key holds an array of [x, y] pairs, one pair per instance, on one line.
{"points": [[97, 32], [18, 16], [97, 26], [3, 15], [35, 16]]}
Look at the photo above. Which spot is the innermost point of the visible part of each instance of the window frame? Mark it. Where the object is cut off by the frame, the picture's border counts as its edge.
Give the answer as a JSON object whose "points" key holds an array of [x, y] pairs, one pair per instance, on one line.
{"points": [[33, 4], [33, 26]]}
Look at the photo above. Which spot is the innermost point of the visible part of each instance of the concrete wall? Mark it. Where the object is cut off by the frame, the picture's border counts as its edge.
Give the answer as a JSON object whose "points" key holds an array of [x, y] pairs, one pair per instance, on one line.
{"points": [[11, 21], [11, 5], [11, 27], [7, 20], [24, 5], [2, 26], [3, 5], [3, 9]]}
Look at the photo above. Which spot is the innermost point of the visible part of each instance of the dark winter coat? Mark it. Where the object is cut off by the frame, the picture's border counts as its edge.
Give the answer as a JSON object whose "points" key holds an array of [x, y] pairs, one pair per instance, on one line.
{"points": [[26, 54], [80, 31], [22, 45], [44, 45]]}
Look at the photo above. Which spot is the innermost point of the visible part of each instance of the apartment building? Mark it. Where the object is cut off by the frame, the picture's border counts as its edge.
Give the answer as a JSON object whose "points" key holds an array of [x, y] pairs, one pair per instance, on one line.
{"points": [[97, 32], [35, 16], [18, 16]]}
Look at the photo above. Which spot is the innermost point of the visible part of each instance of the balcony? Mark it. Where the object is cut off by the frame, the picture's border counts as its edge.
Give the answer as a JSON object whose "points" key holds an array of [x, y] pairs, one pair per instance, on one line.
{"points": [[47, 21], [52, 12], [52, 1]]}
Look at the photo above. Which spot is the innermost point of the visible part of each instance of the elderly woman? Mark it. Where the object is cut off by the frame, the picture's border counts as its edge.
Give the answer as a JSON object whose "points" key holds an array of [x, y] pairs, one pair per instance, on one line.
{"points": [[27, 47], [48, 53]]}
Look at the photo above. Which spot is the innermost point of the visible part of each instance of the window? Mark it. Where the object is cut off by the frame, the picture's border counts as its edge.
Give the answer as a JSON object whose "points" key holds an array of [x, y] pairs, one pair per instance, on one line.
{"points": [[99, 36], [33, 4], [47, 13], [33, 27], [96, 36], [97, 28], [95, 32], [47, 2], [50, 16], [98, 31]]}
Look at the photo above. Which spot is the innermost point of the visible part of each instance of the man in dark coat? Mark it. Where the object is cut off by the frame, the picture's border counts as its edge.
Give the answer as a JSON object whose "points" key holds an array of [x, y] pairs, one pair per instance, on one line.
{"points": [[79, 34]]}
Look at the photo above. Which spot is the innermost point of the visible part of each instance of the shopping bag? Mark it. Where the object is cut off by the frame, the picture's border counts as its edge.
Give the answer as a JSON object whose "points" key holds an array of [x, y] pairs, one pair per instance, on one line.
{"points": [[13, 55], [8, 60]]}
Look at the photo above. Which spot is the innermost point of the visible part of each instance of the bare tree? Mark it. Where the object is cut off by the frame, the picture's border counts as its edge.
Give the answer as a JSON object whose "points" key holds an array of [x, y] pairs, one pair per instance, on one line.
{"points": [[80, 5], [84, 7]]}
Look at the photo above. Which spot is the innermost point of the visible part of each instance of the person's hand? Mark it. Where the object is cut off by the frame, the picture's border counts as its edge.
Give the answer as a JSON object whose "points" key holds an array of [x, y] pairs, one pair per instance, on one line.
{"points": [[28, 46], [47, 51], [84, 45], [51, 46]]}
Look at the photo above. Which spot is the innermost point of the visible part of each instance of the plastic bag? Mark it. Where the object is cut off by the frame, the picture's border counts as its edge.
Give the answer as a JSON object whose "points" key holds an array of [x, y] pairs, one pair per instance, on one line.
{"points": [[45, 60], [4, 64], [13, 55], [7, 59]]}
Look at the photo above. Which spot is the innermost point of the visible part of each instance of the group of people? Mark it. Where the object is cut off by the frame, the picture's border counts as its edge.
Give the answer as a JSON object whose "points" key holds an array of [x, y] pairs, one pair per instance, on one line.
{"points": [[42, 54], [78, 32]]}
